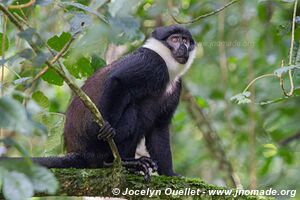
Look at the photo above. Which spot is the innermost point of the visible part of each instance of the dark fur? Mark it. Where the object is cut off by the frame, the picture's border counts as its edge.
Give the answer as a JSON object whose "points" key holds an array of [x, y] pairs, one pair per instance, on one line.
{"points": [[130, 94]]}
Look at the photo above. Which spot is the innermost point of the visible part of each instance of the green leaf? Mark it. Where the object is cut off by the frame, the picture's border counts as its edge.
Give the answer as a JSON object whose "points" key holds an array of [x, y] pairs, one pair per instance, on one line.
{"points": [[43, 2], [242, 98], [85, 8], [21, 81], [40, 59], [265, 166], [270, 150], [54, 123], [97, 4], [41, 99], [43, 180], [58, 42], [27, 34], [97, 62], [3, 172], [81, 68], [52, 77], [287, 155], [11, 142], [279, 72], [6, 43], [80, 22], [125, 28], [121, 7], [297, 92], [263, 103], [17, 186], [13, 116], [26, 53], [95, 41], [201, 102]]}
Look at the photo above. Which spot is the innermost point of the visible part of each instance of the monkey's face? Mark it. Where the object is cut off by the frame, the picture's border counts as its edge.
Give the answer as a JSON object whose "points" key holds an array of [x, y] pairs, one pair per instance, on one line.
{"points": [[179, 45]]}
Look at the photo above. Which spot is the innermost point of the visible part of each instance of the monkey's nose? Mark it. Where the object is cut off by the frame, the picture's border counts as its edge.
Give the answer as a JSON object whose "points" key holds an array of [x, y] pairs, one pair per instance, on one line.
{"points": [[182, 51]]}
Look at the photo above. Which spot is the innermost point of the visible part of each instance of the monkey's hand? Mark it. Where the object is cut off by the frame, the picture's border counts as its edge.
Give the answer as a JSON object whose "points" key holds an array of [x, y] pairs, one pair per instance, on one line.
{"points": [[106, 132], [142, 164]]}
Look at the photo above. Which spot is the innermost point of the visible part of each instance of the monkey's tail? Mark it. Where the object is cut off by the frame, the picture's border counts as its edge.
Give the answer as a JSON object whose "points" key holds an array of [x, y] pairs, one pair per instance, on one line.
{"points": [[67, 161]]}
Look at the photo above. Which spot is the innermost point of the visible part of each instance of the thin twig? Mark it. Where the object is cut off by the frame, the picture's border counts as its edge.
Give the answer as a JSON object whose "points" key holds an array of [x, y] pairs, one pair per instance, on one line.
{"points": [[82, 96], [12, 71], [211, 138], [291, 49], [2, 70], [290, 139], [20, 18], [3, 52], [281, 81], [25, 5], [55, 59], [63, 50], [257, 78], [203, 16]]}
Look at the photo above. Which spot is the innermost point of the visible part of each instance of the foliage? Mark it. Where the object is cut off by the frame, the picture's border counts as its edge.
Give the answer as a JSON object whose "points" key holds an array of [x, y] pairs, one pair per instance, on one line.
{"points": [[254, 38]]}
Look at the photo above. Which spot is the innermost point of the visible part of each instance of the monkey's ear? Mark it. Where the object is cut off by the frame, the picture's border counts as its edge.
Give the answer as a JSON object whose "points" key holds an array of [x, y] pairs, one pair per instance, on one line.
{"points": [[158, 33], [192, 45]]}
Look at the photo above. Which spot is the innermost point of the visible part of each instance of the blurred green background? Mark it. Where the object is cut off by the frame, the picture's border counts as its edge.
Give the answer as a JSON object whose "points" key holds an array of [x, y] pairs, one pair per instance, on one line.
{"points": [[246, 40]]}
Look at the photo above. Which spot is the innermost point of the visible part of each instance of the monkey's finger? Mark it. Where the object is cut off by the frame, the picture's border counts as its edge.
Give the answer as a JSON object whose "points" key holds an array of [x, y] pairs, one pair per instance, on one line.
{"points": [[109, 134], [106, 164], [143, 167], [136, 165], [150, 162], [145, 170], [103, 131]]}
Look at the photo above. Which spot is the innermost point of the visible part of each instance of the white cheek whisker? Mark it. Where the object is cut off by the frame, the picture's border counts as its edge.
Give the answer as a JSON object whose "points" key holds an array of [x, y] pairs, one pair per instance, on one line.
{"points": [[175, 69]]}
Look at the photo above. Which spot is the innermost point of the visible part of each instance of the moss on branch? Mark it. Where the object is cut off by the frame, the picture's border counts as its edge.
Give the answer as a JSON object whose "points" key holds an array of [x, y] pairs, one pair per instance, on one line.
{"points": [[101, 182]]}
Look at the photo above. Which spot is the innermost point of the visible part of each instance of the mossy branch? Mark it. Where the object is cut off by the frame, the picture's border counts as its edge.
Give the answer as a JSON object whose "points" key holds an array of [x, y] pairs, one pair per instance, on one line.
{"points": [[83, 97], [101, 182]]}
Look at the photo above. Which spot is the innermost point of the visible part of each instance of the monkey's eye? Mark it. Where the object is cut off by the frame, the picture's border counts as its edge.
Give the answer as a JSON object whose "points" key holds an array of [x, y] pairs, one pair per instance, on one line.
{"points": [[175, 39]]}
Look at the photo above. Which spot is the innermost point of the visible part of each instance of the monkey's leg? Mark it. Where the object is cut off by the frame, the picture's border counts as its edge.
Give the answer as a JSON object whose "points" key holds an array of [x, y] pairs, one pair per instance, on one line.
{"points": [[158, 146], [142, 164]]}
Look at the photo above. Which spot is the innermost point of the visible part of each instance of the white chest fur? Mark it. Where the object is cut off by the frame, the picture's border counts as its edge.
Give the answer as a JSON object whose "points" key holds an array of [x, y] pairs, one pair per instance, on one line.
{"points": [[175, 69]]}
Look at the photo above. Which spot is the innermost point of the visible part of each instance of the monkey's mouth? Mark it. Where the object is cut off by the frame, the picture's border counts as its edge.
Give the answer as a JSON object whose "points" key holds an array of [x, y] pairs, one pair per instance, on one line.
{"points": [[182, 60]]}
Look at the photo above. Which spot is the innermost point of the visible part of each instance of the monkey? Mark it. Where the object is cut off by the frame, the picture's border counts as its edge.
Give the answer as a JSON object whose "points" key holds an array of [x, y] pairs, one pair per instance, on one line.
{"points": [[137, 96]]}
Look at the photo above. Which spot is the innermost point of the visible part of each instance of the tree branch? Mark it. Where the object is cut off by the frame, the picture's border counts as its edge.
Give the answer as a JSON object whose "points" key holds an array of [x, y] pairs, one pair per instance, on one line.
{"points": [[25, 5], [290, 139], [83, 97], [101, 182], [203, 16], [56, 58]]}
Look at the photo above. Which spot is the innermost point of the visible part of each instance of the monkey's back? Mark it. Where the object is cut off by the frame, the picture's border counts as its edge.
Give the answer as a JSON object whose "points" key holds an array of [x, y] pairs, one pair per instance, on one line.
{"points": [[81, 131], [78, 117]]}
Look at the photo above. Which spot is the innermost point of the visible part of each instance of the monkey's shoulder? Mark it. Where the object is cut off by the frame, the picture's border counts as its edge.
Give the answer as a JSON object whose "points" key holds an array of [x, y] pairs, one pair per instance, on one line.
{"points": [[141, 63], [142, 56]]}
